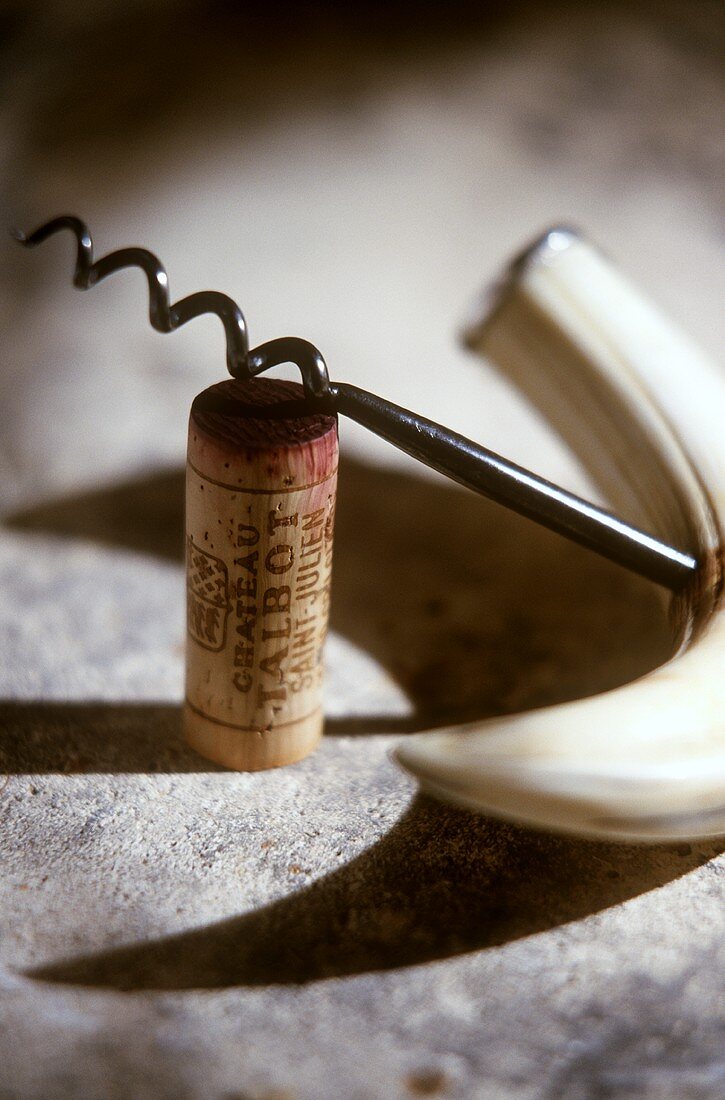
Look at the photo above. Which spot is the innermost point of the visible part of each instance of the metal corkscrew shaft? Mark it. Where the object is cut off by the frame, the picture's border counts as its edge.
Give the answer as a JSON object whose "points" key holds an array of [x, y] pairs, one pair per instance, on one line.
{"points": [[522, 491], [461, 459]]}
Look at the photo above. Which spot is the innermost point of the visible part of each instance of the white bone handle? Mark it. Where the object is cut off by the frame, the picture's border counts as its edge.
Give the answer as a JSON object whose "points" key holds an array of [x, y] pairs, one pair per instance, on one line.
{"points": [[645, 411]]}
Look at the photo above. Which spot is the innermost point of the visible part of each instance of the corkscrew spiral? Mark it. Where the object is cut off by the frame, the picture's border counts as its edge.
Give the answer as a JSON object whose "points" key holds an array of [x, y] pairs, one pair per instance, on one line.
{"points": [[166, 316]]}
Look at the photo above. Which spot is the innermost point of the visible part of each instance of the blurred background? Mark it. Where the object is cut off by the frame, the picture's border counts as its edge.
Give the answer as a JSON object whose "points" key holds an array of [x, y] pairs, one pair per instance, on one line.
{"points": [[353, 174]]}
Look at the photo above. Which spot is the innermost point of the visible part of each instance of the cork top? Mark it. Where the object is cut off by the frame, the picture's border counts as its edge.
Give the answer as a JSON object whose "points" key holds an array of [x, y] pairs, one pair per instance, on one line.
{"points": [[259, 414]]}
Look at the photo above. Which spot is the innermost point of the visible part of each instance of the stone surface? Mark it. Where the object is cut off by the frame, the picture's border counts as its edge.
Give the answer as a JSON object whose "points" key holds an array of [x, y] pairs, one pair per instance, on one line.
{"points": [[172, 929]]}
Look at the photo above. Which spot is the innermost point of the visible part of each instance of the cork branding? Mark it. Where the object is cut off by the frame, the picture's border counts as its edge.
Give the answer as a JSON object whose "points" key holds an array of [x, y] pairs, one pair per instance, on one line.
{"points": [[258, 600], [278, 640], [207, 597]]}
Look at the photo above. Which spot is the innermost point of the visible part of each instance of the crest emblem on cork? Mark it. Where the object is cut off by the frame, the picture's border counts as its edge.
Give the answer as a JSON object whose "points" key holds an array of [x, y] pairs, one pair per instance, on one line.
{"points": [[207, 597]]}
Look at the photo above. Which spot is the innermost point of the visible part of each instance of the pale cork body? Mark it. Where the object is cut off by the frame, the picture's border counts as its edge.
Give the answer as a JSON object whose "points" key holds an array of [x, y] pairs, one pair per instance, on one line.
{"points": [[260, 502]]}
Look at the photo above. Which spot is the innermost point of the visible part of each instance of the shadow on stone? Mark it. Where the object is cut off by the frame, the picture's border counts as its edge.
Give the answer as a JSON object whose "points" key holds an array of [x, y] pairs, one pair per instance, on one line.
{"points": [[99, 737], [145, 514], [474, 611], [441, 883], [123, 738]]}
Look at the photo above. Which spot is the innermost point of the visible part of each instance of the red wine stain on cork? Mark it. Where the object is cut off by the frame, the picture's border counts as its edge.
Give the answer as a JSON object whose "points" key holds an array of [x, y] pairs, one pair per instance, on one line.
{"points": [[269, 414], [258, 414]]}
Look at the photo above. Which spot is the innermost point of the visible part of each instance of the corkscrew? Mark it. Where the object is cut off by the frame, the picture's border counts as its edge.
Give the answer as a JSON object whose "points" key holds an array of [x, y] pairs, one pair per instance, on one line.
{"points": [[463, 460]]}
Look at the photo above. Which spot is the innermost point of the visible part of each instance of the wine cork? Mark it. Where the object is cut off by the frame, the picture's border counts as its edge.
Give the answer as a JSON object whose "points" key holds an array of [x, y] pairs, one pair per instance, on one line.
{"points": [[260, 502]]}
